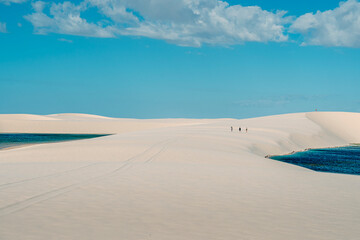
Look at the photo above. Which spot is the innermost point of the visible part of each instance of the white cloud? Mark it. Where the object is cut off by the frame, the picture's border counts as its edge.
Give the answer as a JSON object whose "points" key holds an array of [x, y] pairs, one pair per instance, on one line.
{"points": [[115, 10], [65, 40], [8, 2], [195, 22], [64, 18], [183, 22], [3, 27], [338, 27], [218, 23]]}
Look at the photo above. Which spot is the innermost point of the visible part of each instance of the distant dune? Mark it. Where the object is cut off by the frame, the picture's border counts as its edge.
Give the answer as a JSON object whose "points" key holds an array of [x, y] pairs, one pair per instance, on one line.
{"points": [[177, 179], [76, 116]]}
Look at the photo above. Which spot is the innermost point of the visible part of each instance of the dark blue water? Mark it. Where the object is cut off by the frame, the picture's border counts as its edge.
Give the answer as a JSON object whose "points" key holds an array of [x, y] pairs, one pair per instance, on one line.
{"points": [[336, 160], [16, 139]]}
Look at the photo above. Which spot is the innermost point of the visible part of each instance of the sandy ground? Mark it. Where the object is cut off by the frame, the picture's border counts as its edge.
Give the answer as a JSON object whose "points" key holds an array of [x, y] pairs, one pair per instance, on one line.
{"points": [[177, 179]]}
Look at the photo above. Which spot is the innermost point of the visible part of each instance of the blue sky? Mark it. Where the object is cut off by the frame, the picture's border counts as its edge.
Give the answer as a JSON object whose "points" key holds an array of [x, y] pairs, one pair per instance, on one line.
{"points": [[179, 58]]}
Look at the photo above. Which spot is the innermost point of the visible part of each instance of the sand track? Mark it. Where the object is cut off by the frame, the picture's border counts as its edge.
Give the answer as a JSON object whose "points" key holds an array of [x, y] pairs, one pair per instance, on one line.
{"points": [[145, 157]]}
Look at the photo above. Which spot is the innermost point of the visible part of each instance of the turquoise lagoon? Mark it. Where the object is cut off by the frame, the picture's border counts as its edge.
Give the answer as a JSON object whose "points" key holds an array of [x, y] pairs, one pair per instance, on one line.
{"points": [[344, 160]]}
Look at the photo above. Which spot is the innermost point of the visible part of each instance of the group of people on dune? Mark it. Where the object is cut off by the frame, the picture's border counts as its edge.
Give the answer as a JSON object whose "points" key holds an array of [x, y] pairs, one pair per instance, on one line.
{"points": [[246, 129]]}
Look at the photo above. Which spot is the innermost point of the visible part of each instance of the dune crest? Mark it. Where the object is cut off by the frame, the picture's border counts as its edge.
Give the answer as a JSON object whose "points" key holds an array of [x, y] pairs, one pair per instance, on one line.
{"points": [[77, 116]]}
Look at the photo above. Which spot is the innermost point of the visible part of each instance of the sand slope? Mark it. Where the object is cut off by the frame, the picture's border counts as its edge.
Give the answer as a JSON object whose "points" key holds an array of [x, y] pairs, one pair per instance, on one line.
{"points": [[177, 179]]}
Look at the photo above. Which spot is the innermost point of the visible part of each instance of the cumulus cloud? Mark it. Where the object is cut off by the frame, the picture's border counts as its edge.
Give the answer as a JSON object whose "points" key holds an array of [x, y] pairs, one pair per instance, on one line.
{"points": [[3, 27], [195, 22], [183, 22], [337, 27], [8, 2], [216, 23], [64, 18]]}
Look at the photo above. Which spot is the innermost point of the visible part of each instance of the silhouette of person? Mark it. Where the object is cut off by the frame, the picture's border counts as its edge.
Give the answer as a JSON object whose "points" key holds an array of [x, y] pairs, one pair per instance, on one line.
{"points": [[231, 128], [246, 129], [239, 129]]}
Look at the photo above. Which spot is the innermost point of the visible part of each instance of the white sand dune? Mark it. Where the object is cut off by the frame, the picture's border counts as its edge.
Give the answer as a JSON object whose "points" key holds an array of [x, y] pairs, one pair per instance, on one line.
{"points": [[83, 123], [77, 116], [177, 179]]}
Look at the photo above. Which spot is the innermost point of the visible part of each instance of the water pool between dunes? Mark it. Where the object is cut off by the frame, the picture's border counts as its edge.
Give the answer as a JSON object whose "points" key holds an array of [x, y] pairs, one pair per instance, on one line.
{"points": [[8, 140], [336, 160]]}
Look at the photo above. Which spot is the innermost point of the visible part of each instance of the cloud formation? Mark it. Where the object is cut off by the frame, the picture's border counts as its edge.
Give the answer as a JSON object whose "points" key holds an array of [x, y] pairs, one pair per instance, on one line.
{"points": [[64, 18], [65, 40], [8, 2], [338, 27], [3, 28], [197, 22], [183, 22]]}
